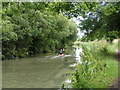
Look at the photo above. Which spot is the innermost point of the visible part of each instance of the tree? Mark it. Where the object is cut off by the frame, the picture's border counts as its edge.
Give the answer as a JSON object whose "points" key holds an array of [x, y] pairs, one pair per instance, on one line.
{"points": [[29, 29], [104, 23]]}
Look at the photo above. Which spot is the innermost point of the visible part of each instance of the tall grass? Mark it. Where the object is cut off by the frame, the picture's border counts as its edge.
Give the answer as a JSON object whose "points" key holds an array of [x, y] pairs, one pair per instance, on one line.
{"points": [[98, 64]]}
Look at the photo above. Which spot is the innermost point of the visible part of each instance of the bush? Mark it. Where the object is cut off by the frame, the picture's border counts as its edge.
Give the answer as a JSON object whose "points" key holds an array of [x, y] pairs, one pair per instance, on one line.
{"points": [[35, 32], [91, 66]]}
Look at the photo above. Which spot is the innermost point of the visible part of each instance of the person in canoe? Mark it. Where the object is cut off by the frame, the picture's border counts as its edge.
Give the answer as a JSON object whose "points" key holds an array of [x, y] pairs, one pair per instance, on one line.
{"points": [[61, 52]]}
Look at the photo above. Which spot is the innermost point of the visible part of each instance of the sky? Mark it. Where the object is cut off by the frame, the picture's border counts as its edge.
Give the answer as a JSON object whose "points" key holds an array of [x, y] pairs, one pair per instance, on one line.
{"points": [[80, 34]]}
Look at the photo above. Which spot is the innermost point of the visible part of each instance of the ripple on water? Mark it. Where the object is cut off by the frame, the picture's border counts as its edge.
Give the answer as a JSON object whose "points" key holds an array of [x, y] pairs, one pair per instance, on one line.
{"points": [[36, 72]]}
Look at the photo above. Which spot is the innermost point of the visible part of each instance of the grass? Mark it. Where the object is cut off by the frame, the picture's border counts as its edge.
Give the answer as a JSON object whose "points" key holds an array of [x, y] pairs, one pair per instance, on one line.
{"points": [[110, 74], [112, 69], [104, 51]]}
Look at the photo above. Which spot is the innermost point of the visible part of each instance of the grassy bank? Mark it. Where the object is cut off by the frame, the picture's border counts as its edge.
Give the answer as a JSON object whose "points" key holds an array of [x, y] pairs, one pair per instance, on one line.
{"points": [[99, 68], [106, 78]]}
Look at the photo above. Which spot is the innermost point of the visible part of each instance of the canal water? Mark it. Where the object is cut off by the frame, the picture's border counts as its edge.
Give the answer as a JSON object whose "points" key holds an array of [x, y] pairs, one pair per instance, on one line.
{"points": [[45, 71]]}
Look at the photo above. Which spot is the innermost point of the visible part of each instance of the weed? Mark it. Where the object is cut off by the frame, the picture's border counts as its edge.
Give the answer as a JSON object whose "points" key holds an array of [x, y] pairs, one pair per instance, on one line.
{"points": [[94, 72]]}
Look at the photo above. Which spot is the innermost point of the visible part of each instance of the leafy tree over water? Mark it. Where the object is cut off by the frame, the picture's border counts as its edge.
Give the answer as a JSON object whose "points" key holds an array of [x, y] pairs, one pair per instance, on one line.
{"points": [[37, 27], [29, 29]]}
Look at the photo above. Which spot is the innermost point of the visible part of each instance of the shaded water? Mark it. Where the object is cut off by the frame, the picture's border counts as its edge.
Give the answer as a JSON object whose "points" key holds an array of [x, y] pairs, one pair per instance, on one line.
{"points": [[36, 72]]}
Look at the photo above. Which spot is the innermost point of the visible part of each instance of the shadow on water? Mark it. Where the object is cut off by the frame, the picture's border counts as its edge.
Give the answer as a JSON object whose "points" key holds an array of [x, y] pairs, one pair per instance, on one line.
{"points": [[37, 72]]}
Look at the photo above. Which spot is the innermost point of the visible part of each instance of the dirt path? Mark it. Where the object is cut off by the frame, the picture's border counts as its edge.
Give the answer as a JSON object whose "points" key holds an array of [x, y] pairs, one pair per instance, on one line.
{"points": [[116, 84], [117, 55]]}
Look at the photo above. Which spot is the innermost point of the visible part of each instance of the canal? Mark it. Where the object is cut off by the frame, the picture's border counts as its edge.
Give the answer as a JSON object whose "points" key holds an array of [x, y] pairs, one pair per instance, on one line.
{"points": [[44, 71]]}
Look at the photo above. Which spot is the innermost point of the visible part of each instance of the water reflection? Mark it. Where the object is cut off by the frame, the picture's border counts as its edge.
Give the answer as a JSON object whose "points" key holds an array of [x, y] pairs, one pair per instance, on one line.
{"points": [[78, 51], [38, 72]]}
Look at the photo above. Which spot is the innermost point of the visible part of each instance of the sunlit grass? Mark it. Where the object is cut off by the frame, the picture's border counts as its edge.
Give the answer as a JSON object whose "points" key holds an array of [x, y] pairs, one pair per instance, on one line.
{"points": [[110, 74], [105, 52]]}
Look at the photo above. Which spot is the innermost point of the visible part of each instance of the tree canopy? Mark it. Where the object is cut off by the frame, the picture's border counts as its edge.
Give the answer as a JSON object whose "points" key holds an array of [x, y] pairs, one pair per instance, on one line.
{"points": [[38, 27], [29, 29], [103, 23]]}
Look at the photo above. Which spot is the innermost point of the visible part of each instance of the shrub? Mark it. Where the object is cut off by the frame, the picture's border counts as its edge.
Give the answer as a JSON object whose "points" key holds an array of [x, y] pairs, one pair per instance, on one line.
{"points": [[90, 67]]}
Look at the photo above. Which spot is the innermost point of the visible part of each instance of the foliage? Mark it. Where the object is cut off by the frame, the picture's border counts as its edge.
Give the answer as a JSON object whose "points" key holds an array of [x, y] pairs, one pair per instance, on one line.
{"points": [[97, 15], [30, 29], [103, 22], [90, 67], [97, 64]]}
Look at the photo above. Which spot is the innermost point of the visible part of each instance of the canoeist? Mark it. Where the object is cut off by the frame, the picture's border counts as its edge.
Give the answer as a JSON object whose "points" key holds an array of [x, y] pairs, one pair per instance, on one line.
{"points": [[61, 52]]}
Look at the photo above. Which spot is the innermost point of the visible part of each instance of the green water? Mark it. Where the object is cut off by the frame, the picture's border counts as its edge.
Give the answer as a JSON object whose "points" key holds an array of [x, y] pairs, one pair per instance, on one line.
{"points": [[36, 72]]}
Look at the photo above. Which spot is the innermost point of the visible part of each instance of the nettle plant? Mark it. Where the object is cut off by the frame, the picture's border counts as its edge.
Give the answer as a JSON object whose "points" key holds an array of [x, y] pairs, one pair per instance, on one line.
{"points": [[90, 67]]}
